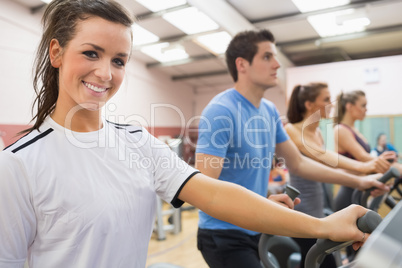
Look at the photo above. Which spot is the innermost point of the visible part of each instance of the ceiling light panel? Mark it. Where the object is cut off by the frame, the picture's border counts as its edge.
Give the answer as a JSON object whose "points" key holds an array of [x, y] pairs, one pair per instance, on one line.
{"points": [[164, 52], [327, 24], [191, 20], [312, 5], [354, 17], [158, 5], [142, 36], [217, 43]]}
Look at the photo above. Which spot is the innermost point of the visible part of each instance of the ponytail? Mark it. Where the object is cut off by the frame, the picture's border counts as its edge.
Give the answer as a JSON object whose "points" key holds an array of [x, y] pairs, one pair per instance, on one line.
{"points": [[342, 100], [296, 109], [301, 94], [340, 109]]}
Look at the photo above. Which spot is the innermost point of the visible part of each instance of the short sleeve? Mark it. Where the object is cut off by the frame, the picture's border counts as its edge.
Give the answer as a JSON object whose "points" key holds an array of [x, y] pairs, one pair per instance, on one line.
{"points": [[215, 130], [281, 134], [170, 172], [17, 217]]}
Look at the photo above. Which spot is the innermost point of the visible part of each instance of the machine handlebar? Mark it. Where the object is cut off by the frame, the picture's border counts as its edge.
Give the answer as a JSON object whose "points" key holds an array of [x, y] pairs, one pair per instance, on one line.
{"points": [[267, 241], [323, 247], [391, 173]]}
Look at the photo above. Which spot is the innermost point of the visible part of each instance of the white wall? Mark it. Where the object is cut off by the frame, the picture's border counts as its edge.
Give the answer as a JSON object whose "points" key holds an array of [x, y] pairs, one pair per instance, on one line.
{"points": [[19, 31], [142, 89], [383, 96], [151, 98]]}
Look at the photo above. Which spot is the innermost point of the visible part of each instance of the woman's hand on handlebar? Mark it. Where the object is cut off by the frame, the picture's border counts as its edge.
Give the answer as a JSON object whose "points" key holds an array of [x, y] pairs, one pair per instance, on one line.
{"points": [[370, 181], [284, 200], [341, 226], [377, 165], [389, 156]]}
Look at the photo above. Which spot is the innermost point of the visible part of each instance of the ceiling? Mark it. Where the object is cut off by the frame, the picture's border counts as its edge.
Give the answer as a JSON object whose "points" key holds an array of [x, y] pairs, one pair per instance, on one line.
{"points": [[296, 39]]}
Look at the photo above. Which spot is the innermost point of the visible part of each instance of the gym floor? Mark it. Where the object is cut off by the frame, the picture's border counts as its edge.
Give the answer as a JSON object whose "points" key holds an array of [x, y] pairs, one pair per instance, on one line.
{"points": [[180, 249]]}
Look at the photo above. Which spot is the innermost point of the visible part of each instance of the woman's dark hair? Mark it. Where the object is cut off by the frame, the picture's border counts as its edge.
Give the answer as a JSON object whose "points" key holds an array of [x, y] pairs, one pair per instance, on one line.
{"points": [[244, 45], [59, 22], [343, 99], [301, 94]]}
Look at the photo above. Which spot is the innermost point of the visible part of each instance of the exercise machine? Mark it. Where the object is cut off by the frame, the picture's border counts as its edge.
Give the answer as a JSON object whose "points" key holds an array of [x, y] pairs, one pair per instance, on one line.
{"points": [[361, 198], [280, 251], [384, 246], [323, 247], [382, 249]]}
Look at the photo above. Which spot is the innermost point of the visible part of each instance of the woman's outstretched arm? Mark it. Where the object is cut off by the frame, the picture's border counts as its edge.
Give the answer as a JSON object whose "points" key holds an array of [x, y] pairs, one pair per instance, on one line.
{"points": [[239, 206]]}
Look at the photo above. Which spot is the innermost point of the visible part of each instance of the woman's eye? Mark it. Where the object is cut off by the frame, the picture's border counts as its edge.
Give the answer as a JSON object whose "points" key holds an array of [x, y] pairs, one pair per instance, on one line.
{"points": [[119, 62], [90, 54]]}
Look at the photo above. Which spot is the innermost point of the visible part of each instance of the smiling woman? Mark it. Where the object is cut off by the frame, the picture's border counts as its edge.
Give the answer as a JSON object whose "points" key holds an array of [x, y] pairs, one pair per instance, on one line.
{"points": [[61, 20], [91, 69]]}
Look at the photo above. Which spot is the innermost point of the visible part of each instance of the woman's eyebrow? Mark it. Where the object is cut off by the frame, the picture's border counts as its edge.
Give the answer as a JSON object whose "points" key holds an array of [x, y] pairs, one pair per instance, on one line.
{"points": [[95, 47], [98, 48]]}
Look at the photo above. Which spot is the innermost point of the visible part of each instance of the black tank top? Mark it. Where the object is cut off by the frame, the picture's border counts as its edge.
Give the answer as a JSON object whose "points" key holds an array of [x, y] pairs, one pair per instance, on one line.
{"points": [[365, 145]]}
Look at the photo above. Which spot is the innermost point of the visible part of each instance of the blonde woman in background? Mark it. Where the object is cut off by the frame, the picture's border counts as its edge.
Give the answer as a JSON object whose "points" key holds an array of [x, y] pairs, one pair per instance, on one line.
{"points": [[349, 142]]}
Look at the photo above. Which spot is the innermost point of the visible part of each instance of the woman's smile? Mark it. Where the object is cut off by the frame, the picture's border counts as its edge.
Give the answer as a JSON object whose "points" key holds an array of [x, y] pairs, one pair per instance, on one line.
{"points": [[95, 88]]}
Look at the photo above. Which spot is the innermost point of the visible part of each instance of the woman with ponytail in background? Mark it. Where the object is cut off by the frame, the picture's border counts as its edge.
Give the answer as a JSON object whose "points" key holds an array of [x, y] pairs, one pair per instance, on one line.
{"points": [[307, 106], [349, 142]]}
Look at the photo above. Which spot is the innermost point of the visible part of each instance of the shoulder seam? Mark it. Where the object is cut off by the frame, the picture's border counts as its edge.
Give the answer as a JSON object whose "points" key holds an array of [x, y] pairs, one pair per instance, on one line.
{"points": [[16, 141], [135, 131], [118, 125], [125, 127], [38, 137]]}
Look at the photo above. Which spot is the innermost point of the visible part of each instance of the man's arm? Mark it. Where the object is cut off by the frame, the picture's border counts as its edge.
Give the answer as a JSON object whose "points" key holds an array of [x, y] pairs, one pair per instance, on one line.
{"points": [[209, 165]]}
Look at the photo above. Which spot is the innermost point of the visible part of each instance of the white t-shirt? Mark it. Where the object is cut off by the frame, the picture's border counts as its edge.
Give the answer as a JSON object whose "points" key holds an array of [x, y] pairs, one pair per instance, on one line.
{"points": [[1, 143], [71, 199]]}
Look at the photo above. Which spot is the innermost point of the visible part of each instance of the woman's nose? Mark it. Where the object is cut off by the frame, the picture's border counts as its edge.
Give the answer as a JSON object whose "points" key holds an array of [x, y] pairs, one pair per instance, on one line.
{"points": [[103, 71]]}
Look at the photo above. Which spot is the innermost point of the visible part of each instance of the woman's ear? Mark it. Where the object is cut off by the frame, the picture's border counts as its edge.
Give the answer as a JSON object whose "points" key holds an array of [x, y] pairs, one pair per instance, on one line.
{"points": [[55, 53], [347, 106], [308, 105]]}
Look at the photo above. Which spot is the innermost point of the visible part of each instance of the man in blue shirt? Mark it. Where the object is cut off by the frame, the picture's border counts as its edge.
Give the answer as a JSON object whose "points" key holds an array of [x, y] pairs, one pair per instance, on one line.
{"points": [[239, 133]]}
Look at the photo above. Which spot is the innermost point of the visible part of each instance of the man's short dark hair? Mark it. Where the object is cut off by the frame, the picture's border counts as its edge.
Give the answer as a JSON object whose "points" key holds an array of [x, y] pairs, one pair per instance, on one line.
{"points": [[244, 45]]}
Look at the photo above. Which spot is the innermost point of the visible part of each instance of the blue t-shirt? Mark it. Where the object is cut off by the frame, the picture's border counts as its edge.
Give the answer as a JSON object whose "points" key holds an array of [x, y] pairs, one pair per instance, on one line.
{"points": [[231, 127]]}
